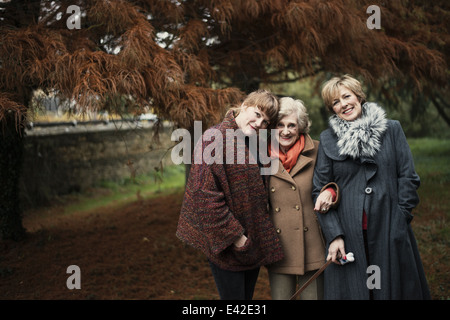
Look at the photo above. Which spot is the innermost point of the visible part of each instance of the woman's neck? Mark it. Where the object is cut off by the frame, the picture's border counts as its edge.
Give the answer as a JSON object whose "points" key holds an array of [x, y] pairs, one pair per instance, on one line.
{"points": [[284, 149]]}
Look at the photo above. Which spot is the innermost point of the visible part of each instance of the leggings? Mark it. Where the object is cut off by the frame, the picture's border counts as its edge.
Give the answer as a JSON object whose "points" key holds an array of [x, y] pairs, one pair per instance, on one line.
{"points": [[235, 285]]}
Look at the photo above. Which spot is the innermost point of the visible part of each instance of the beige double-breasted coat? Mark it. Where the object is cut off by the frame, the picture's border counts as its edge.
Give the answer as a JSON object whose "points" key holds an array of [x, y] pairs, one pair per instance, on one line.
{"points": [[291, 210]]}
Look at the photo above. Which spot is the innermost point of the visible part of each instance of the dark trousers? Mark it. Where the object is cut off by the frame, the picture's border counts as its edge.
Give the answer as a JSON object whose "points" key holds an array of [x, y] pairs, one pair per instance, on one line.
{"points": [[234, 285]]}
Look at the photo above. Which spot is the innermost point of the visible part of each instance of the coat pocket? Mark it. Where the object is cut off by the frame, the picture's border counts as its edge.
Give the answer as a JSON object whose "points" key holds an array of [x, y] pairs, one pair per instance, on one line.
{"points": [[247, 254], [406, 214], [244, 247]]}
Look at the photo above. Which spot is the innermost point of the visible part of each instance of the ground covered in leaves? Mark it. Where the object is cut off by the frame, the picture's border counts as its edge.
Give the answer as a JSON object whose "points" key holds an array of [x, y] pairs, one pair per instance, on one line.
{"points": [[128, 252], [131, 252]]}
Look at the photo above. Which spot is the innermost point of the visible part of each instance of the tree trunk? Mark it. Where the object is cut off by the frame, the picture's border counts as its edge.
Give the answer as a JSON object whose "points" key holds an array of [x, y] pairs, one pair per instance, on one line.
{"points": [[11, 151], [17, 14]]}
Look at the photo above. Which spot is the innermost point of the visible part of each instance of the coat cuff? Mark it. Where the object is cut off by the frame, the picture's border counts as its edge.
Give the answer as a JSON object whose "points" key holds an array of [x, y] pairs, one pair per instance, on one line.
{"points": [[335, 187]]}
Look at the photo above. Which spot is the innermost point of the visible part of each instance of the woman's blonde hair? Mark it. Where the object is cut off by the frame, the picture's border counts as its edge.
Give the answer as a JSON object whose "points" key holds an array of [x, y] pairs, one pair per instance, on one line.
{"points": [[265, 101], [289, 106], [330, 89]]}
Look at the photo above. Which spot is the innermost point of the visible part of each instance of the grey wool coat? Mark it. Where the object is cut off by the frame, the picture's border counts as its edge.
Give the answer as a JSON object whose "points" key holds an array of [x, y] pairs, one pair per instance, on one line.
{"points": [[372, 164]]}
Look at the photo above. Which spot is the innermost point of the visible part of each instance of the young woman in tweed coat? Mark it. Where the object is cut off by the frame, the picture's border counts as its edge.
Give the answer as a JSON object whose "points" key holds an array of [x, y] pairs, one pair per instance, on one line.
{"points": [[369, 158], [225, 207]]}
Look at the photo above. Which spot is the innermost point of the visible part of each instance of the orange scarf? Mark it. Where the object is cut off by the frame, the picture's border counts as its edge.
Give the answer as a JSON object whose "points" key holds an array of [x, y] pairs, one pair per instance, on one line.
{"points": [[289, 159]]}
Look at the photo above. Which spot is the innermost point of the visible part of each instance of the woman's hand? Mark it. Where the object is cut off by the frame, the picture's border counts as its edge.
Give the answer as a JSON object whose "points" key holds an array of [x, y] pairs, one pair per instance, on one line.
{"points": [[324, 201], [240, 242], [336, 250]]}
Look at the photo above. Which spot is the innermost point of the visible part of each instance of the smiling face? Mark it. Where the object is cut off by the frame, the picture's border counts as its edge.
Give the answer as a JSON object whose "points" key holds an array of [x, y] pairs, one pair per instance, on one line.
{"points": [[251, 119], [288, 131], [346, 105]]}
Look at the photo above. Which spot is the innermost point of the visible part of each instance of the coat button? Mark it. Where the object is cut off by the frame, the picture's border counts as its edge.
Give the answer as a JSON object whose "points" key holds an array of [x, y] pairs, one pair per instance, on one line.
{"points": [[277, 209], [278, 230], [293, 187], [305, 229], [297, 207], [368, 190], [272, 189]]}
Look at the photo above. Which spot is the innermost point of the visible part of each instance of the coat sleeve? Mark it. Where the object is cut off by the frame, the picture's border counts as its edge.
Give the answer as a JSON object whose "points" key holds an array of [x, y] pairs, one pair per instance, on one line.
{"points": [[323, 174], [210, 212], [408, 180]]}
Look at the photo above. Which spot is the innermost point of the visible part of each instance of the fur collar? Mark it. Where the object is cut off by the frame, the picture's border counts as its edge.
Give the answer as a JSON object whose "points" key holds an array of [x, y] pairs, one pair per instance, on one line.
{"points": [[361, 137]]}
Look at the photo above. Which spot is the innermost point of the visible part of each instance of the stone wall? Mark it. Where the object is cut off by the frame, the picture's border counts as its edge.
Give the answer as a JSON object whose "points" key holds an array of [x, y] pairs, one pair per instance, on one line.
{"points": [[62, 160]]}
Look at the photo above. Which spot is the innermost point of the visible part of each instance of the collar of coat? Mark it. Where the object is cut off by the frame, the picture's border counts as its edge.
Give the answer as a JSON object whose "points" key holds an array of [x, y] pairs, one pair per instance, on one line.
{"points": [[229, 121], [361, 137]]}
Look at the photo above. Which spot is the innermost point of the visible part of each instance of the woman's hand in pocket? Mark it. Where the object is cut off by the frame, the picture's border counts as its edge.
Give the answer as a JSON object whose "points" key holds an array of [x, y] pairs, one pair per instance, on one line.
{"points": [[240, 242]]}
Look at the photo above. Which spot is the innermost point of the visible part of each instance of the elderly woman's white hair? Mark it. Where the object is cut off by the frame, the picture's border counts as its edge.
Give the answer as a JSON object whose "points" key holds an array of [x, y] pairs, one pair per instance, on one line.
{"points": [[289, 106]]}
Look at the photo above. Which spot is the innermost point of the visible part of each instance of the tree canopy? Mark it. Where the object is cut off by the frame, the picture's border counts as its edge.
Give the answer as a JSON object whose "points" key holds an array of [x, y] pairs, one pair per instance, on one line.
{"points": [[187, 60]]}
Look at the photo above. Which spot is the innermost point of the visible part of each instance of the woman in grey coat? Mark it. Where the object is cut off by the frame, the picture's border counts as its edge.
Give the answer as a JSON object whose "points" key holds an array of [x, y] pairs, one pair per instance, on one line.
{"points": [[369, 158]]}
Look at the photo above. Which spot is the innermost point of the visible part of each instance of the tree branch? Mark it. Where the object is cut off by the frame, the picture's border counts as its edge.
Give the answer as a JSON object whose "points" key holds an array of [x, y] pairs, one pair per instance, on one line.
{"points": [[440, 110]]}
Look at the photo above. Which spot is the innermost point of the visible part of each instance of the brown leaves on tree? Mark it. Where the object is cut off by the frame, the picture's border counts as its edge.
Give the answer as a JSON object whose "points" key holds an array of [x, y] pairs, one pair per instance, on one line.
{"points": [[10, 107], [189, 60]]}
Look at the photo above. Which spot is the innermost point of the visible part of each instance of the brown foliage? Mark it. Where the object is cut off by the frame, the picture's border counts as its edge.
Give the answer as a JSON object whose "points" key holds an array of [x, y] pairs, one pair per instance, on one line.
{"points": [[178, 57], [9, 106]]}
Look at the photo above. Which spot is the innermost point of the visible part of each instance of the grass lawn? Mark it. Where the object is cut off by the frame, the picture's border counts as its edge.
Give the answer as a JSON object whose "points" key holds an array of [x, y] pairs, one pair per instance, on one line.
{"points": [[107, 193], [430, 225]]}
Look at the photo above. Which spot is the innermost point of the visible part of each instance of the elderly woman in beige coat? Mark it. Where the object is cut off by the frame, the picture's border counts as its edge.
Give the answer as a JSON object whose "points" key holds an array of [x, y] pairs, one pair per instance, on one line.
{"points": [[292, 208]]}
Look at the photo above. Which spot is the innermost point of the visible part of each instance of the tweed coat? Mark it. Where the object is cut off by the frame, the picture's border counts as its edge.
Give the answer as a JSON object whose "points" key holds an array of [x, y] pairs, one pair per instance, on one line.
{"points": [[223, 201], [292, 212], [385, 187]]}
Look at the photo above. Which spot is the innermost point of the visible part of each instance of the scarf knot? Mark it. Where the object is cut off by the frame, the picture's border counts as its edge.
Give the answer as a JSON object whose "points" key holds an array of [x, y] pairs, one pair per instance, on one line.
{"points": [[289, 159]]}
